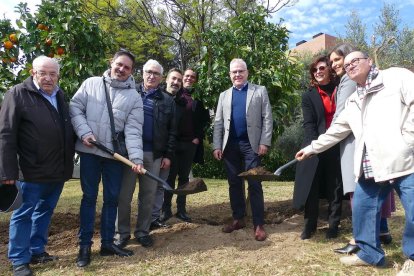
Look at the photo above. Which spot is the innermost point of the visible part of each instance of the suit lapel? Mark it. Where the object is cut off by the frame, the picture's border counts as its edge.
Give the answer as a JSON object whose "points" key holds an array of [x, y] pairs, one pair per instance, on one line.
{"points": [[317, 101], [250, 91]]}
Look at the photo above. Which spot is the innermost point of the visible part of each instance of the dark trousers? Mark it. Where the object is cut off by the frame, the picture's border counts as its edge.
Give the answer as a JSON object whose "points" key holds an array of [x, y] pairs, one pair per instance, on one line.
{"points": [[327, 183], [239, 157], [181, 166]]}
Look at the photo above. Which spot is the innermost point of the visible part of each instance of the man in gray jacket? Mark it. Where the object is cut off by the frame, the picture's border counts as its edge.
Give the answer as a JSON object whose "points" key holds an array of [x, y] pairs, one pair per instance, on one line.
{"points": [[242, 135], [91, 121]]}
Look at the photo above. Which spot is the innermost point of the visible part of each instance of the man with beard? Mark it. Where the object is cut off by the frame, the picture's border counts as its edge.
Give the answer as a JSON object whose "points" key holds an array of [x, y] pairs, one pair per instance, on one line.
{"points": [[191, 117], [158, 135], [91, 121], [173, 85]]}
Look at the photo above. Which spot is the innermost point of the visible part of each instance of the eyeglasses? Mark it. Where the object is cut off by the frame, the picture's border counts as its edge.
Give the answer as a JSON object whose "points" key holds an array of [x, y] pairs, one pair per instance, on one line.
{"points": [[353, 63], [235, 72], [154, 73], [320, 68], [43, 74]]}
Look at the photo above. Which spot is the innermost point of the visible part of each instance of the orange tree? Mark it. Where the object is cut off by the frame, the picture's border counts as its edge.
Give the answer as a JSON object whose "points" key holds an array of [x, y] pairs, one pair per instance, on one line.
{"points": [[60, 29]]}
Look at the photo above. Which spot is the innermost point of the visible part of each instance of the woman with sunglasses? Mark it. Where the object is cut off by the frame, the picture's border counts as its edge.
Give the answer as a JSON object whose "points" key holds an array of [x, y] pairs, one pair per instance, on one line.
{"points": [[345, 88], [319, 176]]}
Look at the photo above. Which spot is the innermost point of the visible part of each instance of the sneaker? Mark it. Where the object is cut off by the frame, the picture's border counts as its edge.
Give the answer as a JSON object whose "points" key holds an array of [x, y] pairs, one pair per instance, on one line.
{"points": [[407, 269], [353, 260], [22, 270], [42, 258]]}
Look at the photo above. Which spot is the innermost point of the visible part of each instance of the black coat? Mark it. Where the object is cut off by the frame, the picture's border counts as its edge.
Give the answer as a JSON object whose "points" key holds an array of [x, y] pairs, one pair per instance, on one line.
{"points": [[314, 125], [164, 125], [201, 118], [35, 135]]}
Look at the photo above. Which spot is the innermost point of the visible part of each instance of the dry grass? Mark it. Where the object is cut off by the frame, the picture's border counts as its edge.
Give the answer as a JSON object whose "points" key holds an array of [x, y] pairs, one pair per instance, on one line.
{"points": [[200, 248]]}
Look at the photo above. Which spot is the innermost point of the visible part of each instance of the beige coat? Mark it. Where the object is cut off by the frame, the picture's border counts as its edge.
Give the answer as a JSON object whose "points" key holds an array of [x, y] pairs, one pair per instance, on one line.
{"points": [[383, 121], [258, 117]]}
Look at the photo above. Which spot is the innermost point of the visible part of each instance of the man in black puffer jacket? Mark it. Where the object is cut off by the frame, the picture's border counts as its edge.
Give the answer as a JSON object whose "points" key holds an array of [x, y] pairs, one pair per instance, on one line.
{"points": [[36, 135]]}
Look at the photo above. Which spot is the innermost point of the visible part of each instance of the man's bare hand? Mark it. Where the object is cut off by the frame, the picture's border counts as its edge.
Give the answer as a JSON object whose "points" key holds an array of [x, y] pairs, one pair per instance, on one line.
{"points": [[218, 154], [137, 168], [263, 149], [88, 138], [165, 163], [301, 155]]}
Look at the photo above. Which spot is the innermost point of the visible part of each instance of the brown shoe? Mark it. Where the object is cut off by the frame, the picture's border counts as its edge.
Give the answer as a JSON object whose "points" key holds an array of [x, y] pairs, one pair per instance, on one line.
{"points": [[235, 225], [259, 233]]}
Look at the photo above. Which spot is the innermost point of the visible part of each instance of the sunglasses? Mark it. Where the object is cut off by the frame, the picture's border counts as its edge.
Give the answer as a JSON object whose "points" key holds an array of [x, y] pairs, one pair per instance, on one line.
{"points": [[320, 68]]}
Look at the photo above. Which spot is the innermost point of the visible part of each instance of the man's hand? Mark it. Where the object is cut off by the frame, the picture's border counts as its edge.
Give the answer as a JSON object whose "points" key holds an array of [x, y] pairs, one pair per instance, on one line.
{"points": [[8, 182], [196, 141], [263, 150], [165, 163], [301, 155], [137, 168], [218, 154], [88, 138]]}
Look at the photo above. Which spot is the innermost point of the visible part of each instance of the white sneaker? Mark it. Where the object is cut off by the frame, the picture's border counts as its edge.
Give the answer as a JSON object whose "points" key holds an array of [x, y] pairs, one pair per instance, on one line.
{"points": [[353, 260], [407, 269]]}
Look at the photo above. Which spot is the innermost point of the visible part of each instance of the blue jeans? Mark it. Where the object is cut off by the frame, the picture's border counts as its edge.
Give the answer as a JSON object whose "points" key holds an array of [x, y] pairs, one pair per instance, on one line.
{"points": [[366, 216], [239, 157], [92, 167], [29, 224]]}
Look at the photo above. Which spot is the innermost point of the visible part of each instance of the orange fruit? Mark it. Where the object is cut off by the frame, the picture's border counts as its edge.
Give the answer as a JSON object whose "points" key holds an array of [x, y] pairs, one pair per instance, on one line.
{"points": [[13, 59], [48, 41], [51, 54], [41, 26], [13, 38], [60, 51], [8, 44]]}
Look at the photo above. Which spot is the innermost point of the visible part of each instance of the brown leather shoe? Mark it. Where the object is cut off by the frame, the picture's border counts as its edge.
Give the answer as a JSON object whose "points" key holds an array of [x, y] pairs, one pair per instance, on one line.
{"points": [[259, 233], [235, 225]]}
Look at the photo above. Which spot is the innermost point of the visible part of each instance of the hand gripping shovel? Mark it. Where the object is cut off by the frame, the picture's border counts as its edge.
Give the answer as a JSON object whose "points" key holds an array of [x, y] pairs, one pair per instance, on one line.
{"points": [[195, 186]]}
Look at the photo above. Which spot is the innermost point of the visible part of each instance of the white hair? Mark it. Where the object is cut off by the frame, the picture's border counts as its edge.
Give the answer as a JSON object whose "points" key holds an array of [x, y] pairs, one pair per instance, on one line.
{"points": [[40, 60], [155, 63], [239, 61]]}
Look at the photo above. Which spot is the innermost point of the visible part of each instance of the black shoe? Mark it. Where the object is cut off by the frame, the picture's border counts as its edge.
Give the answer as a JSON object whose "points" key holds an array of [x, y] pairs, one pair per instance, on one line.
{"points": [[42, 258], [145, 241], [22, 270], [157, 224], [347, 249], [332, 233], [84, 256], [112, 249], [385, 238], [183, 216], [166, 215], [307, 232], [121, 243]]}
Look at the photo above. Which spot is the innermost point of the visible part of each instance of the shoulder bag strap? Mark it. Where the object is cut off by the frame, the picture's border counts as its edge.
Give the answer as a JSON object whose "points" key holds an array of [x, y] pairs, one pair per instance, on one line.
{"points": [[111, 115]]}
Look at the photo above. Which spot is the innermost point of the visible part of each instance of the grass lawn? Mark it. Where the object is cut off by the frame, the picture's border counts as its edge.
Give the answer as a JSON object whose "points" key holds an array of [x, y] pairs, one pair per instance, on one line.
{"points": [[200, 248]]}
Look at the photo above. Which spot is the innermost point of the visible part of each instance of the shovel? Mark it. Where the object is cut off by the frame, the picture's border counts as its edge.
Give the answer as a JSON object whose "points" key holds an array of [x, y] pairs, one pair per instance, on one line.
{"points": [[268, 176], [195, 186]]}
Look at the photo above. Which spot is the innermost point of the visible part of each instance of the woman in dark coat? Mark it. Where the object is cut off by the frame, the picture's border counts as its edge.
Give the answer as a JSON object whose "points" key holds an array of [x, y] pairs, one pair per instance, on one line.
{"points": [[319, 176]]}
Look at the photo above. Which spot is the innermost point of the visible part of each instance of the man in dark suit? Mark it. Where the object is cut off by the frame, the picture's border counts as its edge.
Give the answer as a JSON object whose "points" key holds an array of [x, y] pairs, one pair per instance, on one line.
{"points": [[242, 135]]}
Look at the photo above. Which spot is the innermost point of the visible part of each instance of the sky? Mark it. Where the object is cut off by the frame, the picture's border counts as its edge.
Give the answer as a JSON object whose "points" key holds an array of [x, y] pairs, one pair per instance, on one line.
{"points": [[306, 18]]}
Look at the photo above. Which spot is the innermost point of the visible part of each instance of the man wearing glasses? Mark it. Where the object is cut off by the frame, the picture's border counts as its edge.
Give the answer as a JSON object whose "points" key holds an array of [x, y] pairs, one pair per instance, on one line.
{"points": [[159, 138], [242, 135], [36, 137], [380, 115]]}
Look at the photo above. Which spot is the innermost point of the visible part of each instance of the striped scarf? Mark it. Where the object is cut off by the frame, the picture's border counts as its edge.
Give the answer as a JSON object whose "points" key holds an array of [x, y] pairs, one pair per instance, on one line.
{"points": [[362, 92]]}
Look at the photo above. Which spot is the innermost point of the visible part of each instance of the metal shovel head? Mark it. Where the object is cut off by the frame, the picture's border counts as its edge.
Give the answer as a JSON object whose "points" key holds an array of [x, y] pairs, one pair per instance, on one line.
{"points": [[194, 186], [11, 197], [258, 173]]}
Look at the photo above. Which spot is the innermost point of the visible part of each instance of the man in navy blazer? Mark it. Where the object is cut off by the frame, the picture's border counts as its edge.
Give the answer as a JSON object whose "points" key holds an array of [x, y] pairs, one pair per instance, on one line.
{"points": [[242, 135]]}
